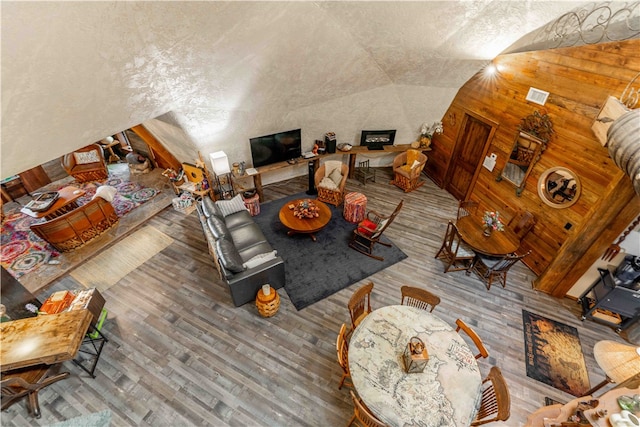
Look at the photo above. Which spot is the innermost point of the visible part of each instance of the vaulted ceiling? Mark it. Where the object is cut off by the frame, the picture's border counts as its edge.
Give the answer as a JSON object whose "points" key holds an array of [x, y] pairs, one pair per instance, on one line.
{"points": [[75, 72]]}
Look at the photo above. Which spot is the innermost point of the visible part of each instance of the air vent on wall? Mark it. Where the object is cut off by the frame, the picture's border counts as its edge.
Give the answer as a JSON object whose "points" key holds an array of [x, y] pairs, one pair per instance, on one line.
{"points": [[538, 96]]}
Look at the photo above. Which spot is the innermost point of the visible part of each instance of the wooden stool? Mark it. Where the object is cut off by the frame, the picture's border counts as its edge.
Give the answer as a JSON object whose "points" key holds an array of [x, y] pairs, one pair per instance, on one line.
{"points": [[355, 207], [267, 305]]}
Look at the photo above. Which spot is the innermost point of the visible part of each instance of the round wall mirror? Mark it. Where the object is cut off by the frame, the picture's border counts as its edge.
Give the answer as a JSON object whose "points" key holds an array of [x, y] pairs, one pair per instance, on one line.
{"points": [[559, 187]]}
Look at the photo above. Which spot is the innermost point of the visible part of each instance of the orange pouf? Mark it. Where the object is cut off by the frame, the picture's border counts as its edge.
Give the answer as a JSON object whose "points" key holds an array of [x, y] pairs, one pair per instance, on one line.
{"points": [[355, 207]]}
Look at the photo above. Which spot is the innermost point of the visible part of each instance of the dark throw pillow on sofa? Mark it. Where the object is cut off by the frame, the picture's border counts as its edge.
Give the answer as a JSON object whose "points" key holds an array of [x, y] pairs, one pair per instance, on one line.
{"points": [[217, 227], [229, 256]]}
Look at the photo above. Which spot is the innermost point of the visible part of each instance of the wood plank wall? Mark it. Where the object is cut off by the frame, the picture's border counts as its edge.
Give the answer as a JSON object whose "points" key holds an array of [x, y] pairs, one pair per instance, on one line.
{"points": [[579, 80]]}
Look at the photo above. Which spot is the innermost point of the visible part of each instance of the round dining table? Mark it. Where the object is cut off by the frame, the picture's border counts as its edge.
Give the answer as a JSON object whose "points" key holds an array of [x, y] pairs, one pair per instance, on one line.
{"points": [[499, 243], [446, 393]]}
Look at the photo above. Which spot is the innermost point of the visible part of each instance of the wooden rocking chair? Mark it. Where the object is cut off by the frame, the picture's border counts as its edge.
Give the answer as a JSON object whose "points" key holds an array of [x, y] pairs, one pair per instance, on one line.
{"points": [[369, 232]]}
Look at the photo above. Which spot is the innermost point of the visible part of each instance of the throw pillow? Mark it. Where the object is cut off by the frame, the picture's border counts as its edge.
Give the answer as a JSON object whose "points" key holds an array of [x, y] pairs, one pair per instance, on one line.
{"points": [[330, 166], [328, 184], [107, 192], [85, 157], [336, 177], [259, 259], [229, 256], [412, 155], [228, 207], [218, 227], [367, 227]]}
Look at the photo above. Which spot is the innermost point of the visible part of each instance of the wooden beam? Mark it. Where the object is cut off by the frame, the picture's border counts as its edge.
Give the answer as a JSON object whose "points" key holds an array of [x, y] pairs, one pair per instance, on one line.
{"points": [[162, 157]]}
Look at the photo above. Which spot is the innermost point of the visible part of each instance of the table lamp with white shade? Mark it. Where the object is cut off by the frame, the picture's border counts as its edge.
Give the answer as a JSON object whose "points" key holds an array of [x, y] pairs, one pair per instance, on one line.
{"points": [[618, 361], [220, 166]]}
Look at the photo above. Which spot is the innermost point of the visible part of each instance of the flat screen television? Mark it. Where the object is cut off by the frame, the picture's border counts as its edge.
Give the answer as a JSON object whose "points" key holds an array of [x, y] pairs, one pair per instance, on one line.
{"points": [[377, 139], [275, 148]]}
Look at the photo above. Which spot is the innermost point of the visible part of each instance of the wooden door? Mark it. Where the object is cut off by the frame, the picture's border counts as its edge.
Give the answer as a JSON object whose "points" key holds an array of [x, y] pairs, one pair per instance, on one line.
{"points": [[468, 153]]}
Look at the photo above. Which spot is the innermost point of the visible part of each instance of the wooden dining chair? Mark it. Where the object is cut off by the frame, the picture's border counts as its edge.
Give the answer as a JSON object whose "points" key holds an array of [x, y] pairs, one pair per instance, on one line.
{"points": [[522, 223], [360, 305], [363, 414], [454, 252], [496, 401], [342, 349], [19, 383], [467, 207], [474, 337], [418, 297], [490, 269]]}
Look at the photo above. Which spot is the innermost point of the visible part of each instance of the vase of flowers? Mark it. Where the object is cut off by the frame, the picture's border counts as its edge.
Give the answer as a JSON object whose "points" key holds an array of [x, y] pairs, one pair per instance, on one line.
{"points": [[492, 221], [427, 132]]}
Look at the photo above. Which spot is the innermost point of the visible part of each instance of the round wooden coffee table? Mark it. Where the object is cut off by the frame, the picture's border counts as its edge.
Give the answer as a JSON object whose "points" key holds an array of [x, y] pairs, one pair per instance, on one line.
{"points": [[308, 226]]}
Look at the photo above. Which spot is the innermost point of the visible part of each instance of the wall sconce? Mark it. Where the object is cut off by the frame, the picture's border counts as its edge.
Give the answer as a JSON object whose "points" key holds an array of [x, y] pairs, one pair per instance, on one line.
{"points": [[415, 356], [220, 166]]}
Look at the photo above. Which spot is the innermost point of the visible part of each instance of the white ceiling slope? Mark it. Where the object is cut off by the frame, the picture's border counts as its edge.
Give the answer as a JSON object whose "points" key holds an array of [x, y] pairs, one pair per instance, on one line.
{"points": [[75, 72]]}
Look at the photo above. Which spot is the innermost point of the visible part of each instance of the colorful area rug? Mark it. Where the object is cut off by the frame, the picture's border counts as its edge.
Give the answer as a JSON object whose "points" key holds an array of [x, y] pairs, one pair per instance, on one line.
{"points": [[554, 355], [316, 270], [22, 251]]}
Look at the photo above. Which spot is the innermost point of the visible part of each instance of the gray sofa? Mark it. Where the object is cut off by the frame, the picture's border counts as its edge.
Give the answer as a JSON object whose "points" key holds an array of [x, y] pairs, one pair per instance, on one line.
{"points": [[241, 253]]}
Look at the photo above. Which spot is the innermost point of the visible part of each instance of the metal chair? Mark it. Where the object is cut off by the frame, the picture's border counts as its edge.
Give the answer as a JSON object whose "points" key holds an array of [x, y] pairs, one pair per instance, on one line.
{"points": [[342, 349], [496, 401], [360, 305], [420, 298], [455, 253], [369, 232], [363, 414], [364, 173], [474, 337], [467, 207], [19, 383], [490, 269]]}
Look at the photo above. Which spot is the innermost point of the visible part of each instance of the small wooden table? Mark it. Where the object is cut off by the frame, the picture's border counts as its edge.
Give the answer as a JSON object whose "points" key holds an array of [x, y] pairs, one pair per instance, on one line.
{"points": [[308, 226], [66, 202], [499, 243], [49, 339]]}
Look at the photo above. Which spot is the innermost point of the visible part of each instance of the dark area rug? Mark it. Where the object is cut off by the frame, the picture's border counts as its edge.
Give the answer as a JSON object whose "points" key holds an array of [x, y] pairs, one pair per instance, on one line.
{"points": [[554, 355], [316, 270]]}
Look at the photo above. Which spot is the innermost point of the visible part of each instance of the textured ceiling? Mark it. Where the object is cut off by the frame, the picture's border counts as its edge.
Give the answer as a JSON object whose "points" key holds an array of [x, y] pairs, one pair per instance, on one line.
{"points": [[74, 72]]}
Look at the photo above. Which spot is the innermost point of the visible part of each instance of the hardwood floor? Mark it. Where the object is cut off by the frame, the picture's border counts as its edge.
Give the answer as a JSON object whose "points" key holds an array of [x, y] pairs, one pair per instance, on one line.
{"points": [[181, 354]]}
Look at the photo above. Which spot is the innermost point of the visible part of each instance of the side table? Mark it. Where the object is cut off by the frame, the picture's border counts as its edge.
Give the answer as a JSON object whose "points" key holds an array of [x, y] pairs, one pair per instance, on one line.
{"points": [[355, 207], [267, 305]]}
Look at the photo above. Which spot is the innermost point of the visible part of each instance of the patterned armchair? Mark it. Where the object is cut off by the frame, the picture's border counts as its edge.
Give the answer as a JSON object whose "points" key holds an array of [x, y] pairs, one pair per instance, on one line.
{"points": [[407, 167], [86, 164], [330, 179]]}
